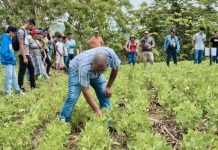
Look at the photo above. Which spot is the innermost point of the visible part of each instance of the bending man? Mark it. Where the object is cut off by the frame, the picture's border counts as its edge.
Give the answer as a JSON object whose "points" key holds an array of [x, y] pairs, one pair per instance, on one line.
{"points": [[87, 69]]}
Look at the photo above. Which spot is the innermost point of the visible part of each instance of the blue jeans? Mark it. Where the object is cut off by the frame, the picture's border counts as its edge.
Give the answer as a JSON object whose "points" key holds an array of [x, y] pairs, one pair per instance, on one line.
{"points": [[198, 56], [74, 90], [215, 58], [132, 57], [170, 54], [66, 61], [10, 78]]}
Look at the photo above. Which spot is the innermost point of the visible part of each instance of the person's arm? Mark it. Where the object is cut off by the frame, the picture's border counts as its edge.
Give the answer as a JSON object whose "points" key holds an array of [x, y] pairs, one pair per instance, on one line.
{"points": [[90, 100], [102, 42], [153, 43], [193, 41], [89, 42], [21, 44], [113, 76], [126, 46], [165, 44], [178, 45]]}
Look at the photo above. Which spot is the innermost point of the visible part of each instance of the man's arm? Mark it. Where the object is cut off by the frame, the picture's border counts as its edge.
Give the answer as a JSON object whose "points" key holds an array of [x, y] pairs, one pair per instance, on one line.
{"points": [[193, 43], [89, 42], [21, 39], [102, 42], [90, 100], [113, 76], [21, 44], [153, 43]]}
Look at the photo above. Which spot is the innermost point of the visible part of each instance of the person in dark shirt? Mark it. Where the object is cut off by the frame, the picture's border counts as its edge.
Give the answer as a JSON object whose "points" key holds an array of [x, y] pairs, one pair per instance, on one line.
{"points": [[214, 44]]}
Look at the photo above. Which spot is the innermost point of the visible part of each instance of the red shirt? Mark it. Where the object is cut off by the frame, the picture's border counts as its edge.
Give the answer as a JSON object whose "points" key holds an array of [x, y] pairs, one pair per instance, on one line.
{"points": [[132, 46]]}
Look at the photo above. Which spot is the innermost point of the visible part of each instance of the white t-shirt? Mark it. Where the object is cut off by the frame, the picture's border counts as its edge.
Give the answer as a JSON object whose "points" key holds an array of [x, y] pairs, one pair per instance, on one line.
{"points": [[60, 48], [199, 41]]}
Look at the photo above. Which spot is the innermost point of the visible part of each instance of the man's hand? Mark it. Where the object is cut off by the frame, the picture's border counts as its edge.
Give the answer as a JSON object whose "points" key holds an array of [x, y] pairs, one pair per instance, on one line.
{"points": [[108, 92], [25, 60], [98, 113]]}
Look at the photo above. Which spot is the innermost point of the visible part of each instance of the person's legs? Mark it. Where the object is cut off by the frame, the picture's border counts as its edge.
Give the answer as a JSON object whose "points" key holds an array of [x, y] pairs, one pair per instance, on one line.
{"points": [[8, 78], [14, 80], [130, 58], [22, 71], [48, 62], [174, 57], [151, 57], [196, 56], [144, 58], [169, 56], [31, 72], [66, 62], [200, 56], [71, 56], [134, 58], [74, 91], [99, 85]]}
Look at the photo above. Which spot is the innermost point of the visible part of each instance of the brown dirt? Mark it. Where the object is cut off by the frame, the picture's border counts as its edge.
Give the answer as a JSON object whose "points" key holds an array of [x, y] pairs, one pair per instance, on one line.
{"points": [[164, 124], [119, 141], [74, 136]]}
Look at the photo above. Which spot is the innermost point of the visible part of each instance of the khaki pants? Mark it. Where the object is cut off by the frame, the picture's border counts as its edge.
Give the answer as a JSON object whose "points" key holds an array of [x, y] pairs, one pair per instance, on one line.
{"points": [[147, 55]]}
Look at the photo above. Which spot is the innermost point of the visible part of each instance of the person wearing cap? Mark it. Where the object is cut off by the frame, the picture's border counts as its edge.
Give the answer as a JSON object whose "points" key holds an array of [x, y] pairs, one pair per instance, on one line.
{"points": [[95, 41], [147, 43], [131, 48], [35, 52], [198, 42], [171, 47], [8, 61], [85, 70]]}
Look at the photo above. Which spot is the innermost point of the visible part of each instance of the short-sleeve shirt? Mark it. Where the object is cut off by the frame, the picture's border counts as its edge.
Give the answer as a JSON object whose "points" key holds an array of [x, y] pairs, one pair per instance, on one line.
{"points": [[22, 33], [82, 64], [71, 43], [199, 41], [147, 42], [214, 41], [60, 48], [95, 42]]}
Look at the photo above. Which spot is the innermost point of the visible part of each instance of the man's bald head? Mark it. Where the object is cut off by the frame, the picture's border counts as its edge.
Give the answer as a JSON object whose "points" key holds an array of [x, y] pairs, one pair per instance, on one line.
{"points": [[100, 62]]}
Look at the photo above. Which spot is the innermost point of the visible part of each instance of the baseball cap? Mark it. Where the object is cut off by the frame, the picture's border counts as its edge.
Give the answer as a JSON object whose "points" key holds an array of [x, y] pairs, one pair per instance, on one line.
{"points": [[35, 31], [146, 32], [41, 32]]}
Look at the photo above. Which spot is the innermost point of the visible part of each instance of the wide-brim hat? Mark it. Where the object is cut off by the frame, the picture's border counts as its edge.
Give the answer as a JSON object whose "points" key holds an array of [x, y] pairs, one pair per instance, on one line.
{"points": [[132, 36]]}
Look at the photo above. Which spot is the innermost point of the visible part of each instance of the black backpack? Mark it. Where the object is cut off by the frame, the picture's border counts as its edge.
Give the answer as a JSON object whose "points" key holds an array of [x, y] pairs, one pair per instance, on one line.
{"points": [[15, 41]]}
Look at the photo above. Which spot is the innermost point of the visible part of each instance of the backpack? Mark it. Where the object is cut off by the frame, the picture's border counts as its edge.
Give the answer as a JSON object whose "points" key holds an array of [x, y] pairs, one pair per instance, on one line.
{"points": [[15, 41]]}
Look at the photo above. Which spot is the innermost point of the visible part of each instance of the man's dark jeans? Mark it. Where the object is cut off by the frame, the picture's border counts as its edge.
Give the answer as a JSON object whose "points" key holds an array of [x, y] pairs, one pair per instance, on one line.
{"points": [[171, 53], [22, 71]]}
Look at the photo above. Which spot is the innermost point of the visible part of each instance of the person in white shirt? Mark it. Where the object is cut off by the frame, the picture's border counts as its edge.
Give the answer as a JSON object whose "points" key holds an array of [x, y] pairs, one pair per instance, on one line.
{"points": [[71, 45], [59, 53], [198, 42]]}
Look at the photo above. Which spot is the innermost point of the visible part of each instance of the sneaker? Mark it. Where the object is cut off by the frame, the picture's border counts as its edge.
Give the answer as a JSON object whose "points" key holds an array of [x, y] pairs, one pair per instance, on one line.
{"points": [[22, 88], [8, 94], [22, 93]]}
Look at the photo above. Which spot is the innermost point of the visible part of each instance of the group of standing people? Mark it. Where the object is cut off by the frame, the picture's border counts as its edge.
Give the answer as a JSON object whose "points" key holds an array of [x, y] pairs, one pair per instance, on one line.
{"points": [[32, 53], [171, 47]]}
